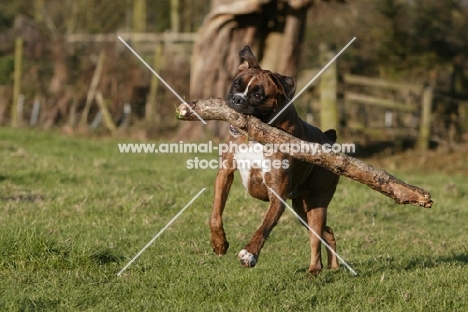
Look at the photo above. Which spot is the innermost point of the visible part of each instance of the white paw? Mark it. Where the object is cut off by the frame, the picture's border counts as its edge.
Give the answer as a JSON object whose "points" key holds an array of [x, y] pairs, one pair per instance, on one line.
{"points": [[247, 259]]}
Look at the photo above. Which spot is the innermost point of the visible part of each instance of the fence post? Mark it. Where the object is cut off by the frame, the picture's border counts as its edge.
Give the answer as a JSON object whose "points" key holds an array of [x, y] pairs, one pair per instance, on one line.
{"points": [[92, 89], [35, 112], [152, 116], [125, 120], [20, 110], [106, 116], [17, 81], [96, 121], [425, 126], [328, 109]]}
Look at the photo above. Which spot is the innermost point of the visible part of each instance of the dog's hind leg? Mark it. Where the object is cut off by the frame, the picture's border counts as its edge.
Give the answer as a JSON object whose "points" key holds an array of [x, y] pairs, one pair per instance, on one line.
{"points": [[316, 219], [322, 186], [329, 237]]}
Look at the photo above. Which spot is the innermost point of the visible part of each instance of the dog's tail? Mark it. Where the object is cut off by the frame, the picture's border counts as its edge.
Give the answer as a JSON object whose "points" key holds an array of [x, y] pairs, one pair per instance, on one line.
{"points": [[331, 135]]}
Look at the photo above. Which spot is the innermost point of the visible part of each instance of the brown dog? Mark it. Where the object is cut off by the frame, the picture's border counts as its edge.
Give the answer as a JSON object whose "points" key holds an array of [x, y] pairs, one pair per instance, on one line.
{"points": [[263, 94]]}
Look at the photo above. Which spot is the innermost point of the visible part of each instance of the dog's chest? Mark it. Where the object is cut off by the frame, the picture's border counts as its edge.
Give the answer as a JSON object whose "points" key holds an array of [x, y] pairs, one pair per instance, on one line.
{"points": [[252, 165]]}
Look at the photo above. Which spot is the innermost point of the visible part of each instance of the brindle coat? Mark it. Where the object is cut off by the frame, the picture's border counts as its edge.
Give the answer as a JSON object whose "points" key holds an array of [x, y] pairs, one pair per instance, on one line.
{"points": [[263, 94]]}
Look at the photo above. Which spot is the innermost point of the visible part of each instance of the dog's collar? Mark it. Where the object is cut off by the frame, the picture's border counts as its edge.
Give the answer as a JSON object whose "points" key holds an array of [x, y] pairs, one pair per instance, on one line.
{"points": [[234, 132]]}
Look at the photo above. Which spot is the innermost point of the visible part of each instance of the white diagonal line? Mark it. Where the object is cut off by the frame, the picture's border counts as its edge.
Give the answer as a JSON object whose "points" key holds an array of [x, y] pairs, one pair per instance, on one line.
{"points": [[313, 79], [315, 233], [162, 80], [160, 232]]}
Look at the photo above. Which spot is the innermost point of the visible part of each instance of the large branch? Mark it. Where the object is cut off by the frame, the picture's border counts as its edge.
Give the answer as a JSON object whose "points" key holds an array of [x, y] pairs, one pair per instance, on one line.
{"points": [[341, 164]]}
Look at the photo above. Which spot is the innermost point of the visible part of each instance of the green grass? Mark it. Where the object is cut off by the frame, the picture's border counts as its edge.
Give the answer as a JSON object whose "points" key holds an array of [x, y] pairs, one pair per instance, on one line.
{"points": [[74, 211]]}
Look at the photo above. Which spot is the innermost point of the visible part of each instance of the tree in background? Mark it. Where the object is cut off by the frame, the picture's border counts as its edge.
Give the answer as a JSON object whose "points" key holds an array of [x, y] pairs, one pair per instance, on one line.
{"points": [[274, 29], [396, 39]]}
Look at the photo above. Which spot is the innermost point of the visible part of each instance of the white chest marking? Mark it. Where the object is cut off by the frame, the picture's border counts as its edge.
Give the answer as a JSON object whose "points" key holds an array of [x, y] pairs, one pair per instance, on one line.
{"points": [[253, 158]]}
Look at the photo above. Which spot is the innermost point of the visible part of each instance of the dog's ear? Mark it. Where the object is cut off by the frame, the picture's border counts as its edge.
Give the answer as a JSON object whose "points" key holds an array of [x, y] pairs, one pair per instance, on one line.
{"points": [[248, 59], [286, 84], [331, 135]]}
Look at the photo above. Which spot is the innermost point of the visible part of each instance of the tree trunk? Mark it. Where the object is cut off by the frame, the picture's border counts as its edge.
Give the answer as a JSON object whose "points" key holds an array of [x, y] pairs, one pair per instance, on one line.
{"points": [[39, 11], [175, 16]]}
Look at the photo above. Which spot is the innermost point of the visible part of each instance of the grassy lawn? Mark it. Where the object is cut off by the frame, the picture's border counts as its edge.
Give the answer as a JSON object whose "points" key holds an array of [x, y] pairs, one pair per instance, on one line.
{"points": [[74, 211]]}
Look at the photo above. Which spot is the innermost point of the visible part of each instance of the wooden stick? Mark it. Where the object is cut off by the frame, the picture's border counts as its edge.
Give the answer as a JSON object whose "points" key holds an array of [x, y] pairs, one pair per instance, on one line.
{"points": [[379, 180]]}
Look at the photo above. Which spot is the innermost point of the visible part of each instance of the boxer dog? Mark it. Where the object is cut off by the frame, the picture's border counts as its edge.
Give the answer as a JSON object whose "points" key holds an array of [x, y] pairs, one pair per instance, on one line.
{"points": [[263, 94]]}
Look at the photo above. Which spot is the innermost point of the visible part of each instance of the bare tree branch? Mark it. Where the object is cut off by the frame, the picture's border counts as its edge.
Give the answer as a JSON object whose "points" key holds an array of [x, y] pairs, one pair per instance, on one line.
{"points": [[341, 164]]}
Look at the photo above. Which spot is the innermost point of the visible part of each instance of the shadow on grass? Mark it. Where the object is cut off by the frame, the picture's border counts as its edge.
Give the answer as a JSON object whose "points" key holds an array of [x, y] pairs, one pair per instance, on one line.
{"points": [[428, 262], [379, 265], [418, 262], [326, 276], [462, 258], [31, 198], [38, 304], [106, 256]]}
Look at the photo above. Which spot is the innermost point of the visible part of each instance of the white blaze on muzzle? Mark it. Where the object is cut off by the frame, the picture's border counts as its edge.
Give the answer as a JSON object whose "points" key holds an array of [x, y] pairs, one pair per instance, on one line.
{"points": [[244, 94]]}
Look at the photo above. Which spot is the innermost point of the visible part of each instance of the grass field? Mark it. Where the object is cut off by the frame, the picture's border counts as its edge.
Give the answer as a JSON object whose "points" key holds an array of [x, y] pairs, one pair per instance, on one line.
{"points": [[74, 211]]}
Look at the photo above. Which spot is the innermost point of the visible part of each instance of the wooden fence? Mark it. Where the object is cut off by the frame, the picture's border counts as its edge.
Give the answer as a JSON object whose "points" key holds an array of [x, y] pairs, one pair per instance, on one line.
{"points": [[146, 42], [405, 109], [11, 103]]}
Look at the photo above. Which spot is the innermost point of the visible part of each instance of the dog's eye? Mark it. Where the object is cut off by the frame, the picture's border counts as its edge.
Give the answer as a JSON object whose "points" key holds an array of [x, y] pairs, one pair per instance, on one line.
{"points": [[235, 85], [258, 96]]}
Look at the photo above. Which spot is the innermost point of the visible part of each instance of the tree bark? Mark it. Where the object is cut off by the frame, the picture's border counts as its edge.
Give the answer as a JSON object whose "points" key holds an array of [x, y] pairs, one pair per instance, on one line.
{"points": [[341, 164]]}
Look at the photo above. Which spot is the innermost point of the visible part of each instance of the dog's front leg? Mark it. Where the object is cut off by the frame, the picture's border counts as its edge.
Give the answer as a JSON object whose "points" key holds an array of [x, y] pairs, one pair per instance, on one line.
{"points": [[222, 186], [249, 255]]}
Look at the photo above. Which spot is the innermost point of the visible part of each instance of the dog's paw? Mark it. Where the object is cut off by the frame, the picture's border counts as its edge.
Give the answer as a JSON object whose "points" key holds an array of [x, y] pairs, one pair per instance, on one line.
{"points": [[247, 259], [220, 248], [315, 271]]}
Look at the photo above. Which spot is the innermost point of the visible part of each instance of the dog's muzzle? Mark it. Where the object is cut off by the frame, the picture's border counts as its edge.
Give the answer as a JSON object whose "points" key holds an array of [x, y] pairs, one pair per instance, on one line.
{"points": [[239, 99]]}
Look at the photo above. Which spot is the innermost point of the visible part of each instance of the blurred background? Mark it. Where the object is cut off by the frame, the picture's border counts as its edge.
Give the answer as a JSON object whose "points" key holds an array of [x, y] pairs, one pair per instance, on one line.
{"points": [[403, 83]]}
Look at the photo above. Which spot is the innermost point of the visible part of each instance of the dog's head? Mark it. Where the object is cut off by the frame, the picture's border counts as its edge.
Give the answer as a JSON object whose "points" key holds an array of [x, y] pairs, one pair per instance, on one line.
{"points": [[259, 92]]}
